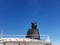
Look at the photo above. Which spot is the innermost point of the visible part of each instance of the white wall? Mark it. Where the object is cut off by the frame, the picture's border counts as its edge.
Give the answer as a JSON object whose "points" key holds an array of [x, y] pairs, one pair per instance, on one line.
{"points": [[24, 43]]}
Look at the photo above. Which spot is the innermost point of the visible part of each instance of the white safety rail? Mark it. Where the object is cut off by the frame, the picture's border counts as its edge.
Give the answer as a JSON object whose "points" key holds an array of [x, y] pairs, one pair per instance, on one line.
{"points": [[42, 37]]}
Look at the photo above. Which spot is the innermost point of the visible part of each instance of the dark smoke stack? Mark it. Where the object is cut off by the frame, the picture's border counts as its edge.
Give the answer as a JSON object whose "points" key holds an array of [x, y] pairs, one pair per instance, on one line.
{"points": [[34, 26], [33, 33]]}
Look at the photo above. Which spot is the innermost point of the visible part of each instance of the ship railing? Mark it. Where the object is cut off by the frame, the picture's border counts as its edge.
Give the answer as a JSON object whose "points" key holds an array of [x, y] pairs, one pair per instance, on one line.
{"points": [[42, 37]]}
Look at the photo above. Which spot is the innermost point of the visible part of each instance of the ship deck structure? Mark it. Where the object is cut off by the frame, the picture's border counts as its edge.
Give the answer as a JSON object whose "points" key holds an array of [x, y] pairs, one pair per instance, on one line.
{"points": [[33, 37]]}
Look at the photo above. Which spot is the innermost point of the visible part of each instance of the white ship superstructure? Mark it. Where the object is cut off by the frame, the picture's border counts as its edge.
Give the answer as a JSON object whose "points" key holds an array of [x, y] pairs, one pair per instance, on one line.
{"points": [[7, 40], [32, 38]]}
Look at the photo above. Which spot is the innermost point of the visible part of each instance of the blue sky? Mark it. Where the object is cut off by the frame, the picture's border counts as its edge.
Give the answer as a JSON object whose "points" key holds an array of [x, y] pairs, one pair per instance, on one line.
{"points": [[16, 17]]}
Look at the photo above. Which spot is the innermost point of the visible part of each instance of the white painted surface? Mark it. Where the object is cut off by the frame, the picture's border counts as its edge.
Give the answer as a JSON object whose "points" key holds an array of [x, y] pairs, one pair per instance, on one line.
{"points": [[22, 41]]}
